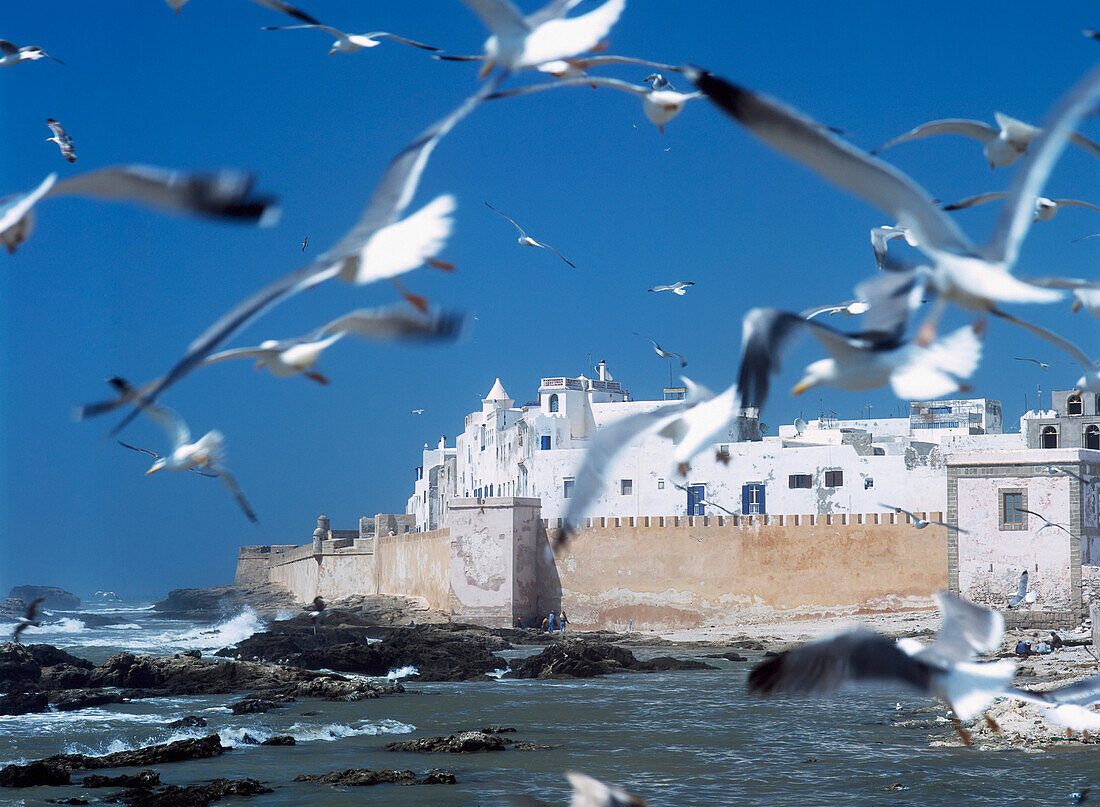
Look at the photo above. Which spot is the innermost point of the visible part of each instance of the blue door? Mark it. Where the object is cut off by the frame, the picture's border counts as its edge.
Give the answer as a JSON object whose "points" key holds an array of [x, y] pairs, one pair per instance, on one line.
{"points": [[752, 499], [696, 494]]}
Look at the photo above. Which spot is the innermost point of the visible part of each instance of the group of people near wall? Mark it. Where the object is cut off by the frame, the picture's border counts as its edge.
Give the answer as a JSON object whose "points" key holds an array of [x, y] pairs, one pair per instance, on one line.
{"points": [[550, 623]]}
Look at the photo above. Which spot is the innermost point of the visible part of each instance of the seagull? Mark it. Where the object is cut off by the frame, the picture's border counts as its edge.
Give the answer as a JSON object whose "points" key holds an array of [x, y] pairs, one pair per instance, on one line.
{"points": [[1054, 470], [920, 523], [852, 308], [1086, 293], [316, 611], [11, 55], [1002, 146], [1022, 594], [157, 456], [380, 245], [28, 619], [349, 43], [61, 137], [222, 194], [660, 102], [1090, 381], [288, 357], [1042, 364], [1046, 521], [206, 452], [305, 241], [519, 42], [706, 421], [525, 240], [679, 288], [881, 235], [589, 792], [274, 5], [944, 668], [1044, 208], [666, 354], [416, 411], [1067, 705], [575, 67]]}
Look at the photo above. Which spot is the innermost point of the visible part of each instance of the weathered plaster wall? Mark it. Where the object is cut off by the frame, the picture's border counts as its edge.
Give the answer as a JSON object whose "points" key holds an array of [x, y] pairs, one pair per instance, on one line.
{"points": [[253, 562], [333, 573], [415, 564], [728, 570]]}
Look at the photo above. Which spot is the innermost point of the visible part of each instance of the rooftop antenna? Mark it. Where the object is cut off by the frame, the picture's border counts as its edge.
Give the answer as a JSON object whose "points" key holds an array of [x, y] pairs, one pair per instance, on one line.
{"points": [[799, 426], [1039, 387]]}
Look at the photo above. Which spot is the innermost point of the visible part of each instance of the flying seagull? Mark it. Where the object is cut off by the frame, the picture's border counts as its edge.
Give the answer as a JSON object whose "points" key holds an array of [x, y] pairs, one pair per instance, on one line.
{"points": [[380, 245], [222, 194], [157, 456], [707, 420], [666, 354], [61, 137], [660, 102], [316, 611], [1002, 146], [519, 42], [575, 67], [589, 792], [920, 523], [880, 236], [349, 43], [1044, 208], [274, 5], [525, 240], [1042, 364], [416, 411], [679, 288], [1067, 705], [1054, 470], [1022, 594], [207, 452], [943, 668], [28, 619], [1086, 293], [1046, 521], [11, 55], [305, 241], [1090, 381], [852, 308]]}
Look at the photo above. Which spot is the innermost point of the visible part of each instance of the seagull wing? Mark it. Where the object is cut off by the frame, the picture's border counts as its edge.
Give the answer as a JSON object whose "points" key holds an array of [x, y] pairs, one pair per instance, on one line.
{"points": [[1077, 353], [561, 38], [551, 11], [662, 288], [222, 194], [827, 664], [683, 361], [764, 334], [1091, 146], [1036, 361], [967, 631], [547, 246], [898, 510], [1082, 693], [599, 61], [1046, 521], [846, 166], [980, 199], [235, 489], [589, 792], [126, 394], [891, 299], [583, 81], [1019, 208], [1074, 203], [7, 48], [286, 8], [328, 29], [152, 454], [401, 39], [32, 609], [398, 323], [957, 126], [13, 208], [521, 232], [260, 353], [499, 16], [173, 425], [810, 313], [1021, 591]]}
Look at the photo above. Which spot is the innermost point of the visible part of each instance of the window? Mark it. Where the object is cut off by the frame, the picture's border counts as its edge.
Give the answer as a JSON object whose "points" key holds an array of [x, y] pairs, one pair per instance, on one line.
{"points": [[567, 486], [660, 484], [626, 486], [800, 481], [544, 442], [490, 491], [1092, 437], [696, 495], [752, 499], [554, 402], [868, 482], [1013, 502], [834, 479], [1050, 437], [1073, 404]]}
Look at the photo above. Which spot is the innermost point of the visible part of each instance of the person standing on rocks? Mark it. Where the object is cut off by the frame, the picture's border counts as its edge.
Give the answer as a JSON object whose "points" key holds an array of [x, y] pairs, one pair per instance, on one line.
{"points": [[551, 621], [563, 620]]}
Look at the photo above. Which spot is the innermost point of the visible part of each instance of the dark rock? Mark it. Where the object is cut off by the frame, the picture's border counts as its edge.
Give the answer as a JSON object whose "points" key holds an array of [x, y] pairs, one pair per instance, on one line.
{"points": [[748, 644], [72, 800], [145, 779], [338, 688], [438, 777], [185, 675], [364, 777], [82, 699], [55, 597], [24, 703], [772, 653], [248, 739], [34, 774], [47, 656], [524, 745], [192, 653], [189, 722], [498, 729], [280, 739], [192, 795], [251, 706], [64, 676], [222, 602], [575, 658], [466, 742], [665, 663], [18, 669], [730, 656]]}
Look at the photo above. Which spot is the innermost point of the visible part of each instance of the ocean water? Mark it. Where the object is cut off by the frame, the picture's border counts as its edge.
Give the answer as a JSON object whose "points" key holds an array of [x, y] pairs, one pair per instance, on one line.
{"points": [[676, 738]]}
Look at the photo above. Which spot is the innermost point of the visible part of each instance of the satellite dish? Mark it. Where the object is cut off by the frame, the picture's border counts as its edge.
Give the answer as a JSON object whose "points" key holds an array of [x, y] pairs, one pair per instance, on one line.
{"points": [[763, 428], [799, 426]]}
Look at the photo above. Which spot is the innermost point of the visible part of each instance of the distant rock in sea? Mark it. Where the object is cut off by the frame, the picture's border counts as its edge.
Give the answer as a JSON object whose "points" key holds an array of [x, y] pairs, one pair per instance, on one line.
{"points": [[579, 658], [55, 597]]}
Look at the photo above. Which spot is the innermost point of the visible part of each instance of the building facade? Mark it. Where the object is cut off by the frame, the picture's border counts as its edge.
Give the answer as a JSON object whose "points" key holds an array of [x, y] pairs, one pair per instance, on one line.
{"points": [[1073, 423]]}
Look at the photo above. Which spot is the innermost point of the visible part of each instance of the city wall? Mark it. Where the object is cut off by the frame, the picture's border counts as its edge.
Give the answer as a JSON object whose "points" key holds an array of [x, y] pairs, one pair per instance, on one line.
{"points": [[414, 564]]}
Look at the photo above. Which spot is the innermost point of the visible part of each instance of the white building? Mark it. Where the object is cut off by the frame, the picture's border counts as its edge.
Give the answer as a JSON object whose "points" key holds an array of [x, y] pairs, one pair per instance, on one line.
{"points": [[829, 466]]}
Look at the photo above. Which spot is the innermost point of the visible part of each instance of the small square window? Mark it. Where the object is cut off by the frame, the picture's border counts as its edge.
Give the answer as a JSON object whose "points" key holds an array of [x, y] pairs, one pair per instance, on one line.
{"points": [[568, 488], [660, 484], [868, 482], [800, 481], [544, 442], [834, 479], [626, 486]]}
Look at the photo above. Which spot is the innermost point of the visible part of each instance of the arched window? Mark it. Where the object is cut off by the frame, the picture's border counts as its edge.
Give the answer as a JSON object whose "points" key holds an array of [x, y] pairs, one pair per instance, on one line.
{"points": [[490, 490], [1050, 437], [1092, 437], [554, 402], [1073, 404]]}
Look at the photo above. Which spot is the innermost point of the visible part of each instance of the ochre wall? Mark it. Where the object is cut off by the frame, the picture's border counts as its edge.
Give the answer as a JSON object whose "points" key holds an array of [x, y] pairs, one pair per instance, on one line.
{"points": [[698, 571], [415, 564]]}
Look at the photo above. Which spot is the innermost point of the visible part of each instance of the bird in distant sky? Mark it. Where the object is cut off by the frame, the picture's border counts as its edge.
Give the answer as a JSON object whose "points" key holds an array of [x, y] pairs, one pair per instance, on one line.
{"points": [[679, 288], [274, 5], [305, 241], [920, 523], [1044, 208], [11, 55], [61, 137], [666, 354], [1045, 365], [28, 619], [416, 411], [525, 240], [349, 43]]}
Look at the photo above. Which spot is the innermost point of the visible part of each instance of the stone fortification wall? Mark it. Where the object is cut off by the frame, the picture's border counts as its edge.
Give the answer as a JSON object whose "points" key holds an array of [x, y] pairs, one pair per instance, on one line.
{"points": [[415, 564], [336, 571], [253, 563], [669, 573]]}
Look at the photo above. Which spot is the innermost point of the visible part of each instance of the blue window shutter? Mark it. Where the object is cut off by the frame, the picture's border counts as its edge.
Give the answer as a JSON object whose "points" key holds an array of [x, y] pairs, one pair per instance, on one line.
{"points": [[746, 498], [760, 494]]}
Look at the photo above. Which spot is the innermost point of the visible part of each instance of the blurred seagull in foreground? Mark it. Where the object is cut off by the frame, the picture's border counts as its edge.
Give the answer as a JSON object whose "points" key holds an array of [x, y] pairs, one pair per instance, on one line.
{"points": [[1022, 594], [921, 523], [1066, 705], [29, 619], [207, 452], [1002, 146], [589, 792], [1086, 293], [525, 240], [274, 5], [1055, 470], [943, 668], [380, 245], [665, 354], [679, 288], [519, 42], [221, 194], [1044, 208], [61, 137], [349, 43], [12, 55]]}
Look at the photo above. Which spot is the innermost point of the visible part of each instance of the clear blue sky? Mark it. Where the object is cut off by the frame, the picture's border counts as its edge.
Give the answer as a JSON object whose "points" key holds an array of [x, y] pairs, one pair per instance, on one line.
{"points": [[110, 289]]}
